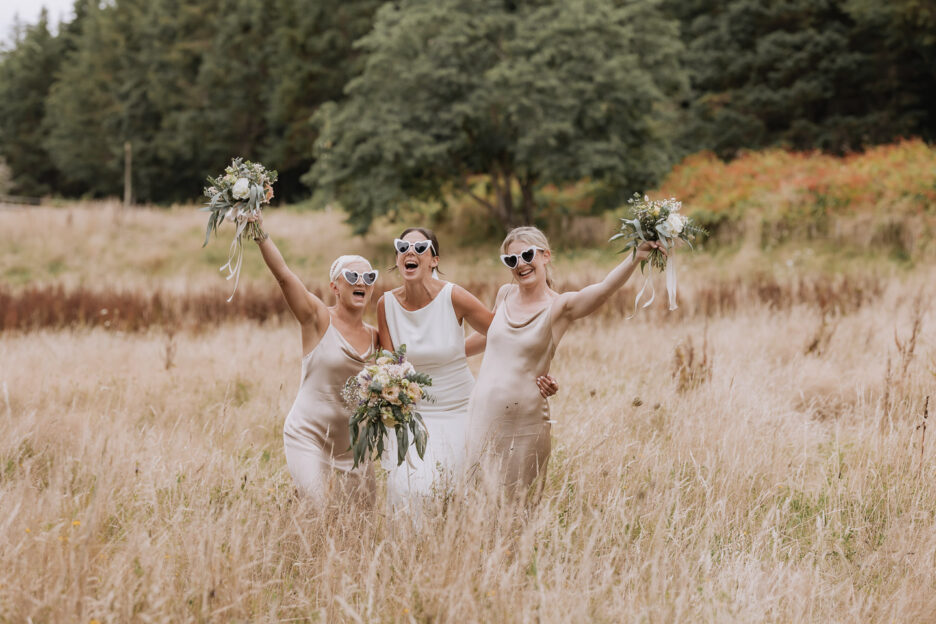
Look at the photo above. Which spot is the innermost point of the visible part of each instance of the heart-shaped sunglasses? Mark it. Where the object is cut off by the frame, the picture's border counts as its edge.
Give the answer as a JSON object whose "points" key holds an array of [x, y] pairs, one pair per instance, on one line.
{"points": [[352, 277], [420, 247], [512, 260]]}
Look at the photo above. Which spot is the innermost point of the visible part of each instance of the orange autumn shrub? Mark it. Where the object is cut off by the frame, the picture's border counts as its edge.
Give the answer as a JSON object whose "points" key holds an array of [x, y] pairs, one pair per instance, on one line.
{"points": [[890, 180]]}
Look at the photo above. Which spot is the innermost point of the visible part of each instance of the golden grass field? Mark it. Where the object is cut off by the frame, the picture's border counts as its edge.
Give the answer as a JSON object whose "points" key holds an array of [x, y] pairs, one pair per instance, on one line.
{"points": [[766, 461]]}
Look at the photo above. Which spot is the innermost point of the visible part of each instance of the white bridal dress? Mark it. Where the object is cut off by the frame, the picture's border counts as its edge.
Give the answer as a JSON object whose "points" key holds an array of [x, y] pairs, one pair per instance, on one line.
{"points": [[435, 345]]}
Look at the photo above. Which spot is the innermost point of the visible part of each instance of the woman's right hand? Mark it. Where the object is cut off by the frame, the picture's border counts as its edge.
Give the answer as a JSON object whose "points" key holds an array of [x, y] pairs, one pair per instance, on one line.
{"points": [[257, 218], [643, 252]]}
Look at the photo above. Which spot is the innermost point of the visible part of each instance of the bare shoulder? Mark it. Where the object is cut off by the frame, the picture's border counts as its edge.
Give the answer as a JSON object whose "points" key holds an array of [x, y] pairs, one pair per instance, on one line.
{"points": [[460, 294], [502, 293], [506, 288]]}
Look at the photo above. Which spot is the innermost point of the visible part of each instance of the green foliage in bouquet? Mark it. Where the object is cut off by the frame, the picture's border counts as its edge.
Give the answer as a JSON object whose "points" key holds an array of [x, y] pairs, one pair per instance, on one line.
{"points": [[237, 195], [385, 394], [655, 220]]}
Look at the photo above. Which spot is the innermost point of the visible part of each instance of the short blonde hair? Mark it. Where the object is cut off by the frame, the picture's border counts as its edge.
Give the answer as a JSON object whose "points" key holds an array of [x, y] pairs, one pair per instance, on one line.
{"points": [[532, 236], [343, 261]]}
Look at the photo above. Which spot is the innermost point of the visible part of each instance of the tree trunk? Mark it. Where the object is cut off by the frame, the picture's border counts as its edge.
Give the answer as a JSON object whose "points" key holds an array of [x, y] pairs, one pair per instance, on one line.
{"points": [[502, 207], [503, 196], [529, 201]]}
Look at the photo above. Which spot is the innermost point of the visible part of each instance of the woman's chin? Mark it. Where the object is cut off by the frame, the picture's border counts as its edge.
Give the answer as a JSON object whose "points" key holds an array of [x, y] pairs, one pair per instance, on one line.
{"points": [[412, 275], [355, 302], [530, 279]]}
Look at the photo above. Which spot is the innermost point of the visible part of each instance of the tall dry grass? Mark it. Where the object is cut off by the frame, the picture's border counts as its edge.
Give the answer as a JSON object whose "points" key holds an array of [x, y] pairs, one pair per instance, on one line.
{"points": [[758, 455], [777, 487]]}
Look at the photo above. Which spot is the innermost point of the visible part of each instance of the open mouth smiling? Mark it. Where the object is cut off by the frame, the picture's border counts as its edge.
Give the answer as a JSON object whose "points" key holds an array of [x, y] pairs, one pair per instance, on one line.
{"points": [[524, 272], [358, 292], [410, 265]]}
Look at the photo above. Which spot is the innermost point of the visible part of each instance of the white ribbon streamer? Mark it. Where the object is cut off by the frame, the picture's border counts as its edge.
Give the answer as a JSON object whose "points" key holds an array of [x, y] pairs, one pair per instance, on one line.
{"points": [[670, 286], [671, 280], [235, 257], [640, 294]]}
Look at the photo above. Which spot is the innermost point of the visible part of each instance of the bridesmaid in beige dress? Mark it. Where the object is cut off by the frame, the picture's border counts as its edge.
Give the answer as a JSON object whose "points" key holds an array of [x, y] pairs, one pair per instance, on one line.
{"points": [[335, 344], [509, 421]]}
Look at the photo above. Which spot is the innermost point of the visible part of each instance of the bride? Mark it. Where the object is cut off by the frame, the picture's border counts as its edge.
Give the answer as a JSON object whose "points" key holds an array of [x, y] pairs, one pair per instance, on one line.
{"points": [[427, 315]]}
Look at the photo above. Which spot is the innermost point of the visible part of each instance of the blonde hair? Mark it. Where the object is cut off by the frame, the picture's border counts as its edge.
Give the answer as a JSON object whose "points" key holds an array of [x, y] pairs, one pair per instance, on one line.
{"points": [[343, 261], [533, 236]]}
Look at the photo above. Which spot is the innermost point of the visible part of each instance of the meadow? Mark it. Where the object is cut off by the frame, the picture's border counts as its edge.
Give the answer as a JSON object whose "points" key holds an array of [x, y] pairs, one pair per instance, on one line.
{"points": [[760, 454]]}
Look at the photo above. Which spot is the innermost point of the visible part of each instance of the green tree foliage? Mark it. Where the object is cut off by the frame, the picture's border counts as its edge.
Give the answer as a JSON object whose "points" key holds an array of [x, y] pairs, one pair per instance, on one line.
{"points": [[311, 59], [828, 74], [521, 93], [26, 74], [98, 100], [492, 98], [191, 83]]}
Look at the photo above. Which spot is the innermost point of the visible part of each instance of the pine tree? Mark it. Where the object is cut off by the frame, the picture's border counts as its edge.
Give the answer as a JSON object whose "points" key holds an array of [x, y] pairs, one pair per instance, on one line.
{"points": [[829, 74], [26, 74]]}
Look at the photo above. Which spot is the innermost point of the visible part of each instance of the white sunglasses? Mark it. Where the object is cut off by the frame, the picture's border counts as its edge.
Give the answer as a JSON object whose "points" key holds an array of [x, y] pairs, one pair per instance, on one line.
{"points": [[512, 260], [420, 247], [352, 277]]}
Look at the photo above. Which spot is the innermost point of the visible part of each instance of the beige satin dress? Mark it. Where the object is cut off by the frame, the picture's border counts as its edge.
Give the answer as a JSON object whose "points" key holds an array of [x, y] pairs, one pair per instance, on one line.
{"points": [[509, 424], [316, 433]]}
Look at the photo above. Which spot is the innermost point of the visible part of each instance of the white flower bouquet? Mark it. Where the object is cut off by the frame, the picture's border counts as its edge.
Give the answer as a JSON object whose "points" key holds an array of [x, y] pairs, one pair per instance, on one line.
{"points": [[236, 196], [385, 394], [657, 220]]}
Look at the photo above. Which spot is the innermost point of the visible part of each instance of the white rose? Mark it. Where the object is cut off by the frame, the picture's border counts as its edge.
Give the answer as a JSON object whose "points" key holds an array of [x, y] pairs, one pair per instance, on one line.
{"points": [[675, 222], [241, 189]]}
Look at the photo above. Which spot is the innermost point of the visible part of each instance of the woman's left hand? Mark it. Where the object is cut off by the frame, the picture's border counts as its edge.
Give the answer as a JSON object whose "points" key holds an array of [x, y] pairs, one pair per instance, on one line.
{"points": [[548, 385]]}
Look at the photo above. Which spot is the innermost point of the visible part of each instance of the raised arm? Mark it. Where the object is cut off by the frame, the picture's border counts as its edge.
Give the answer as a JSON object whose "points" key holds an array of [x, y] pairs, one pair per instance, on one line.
{"points": [[306, 307], [578, 304]]}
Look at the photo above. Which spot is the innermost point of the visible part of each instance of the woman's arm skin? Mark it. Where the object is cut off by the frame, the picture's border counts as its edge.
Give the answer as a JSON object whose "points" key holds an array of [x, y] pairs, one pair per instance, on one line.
{"points": [[475, 344], [579, 304], [308, 309], [469, 308], [383, 332]]}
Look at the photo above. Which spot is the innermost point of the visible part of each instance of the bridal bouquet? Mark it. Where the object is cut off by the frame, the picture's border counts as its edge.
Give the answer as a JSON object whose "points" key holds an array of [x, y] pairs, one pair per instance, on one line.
{"points": [[657, 220], [384, 395], [236, 196]]}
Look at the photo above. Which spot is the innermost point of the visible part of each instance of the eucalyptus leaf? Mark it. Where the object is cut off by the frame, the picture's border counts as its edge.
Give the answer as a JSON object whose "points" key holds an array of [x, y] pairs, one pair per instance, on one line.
{"points": [[402, 444], [421, 438]]}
